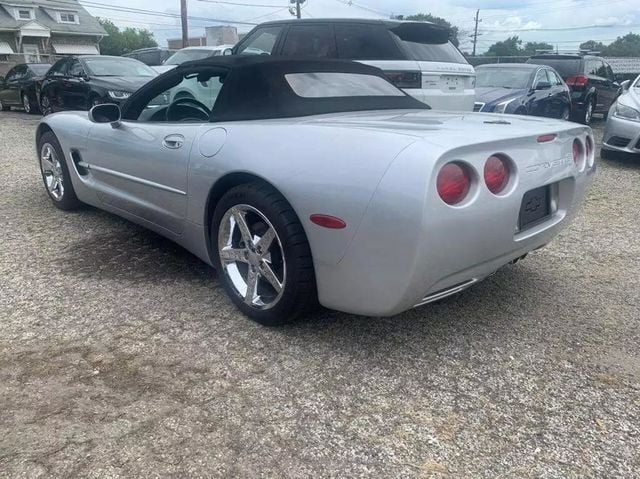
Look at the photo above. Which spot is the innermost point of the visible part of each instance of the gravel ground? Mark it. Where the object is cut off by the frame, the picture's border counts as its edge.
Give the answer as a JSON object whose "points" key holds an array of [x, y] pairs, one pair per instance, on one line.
{"points": [[120, 356]]}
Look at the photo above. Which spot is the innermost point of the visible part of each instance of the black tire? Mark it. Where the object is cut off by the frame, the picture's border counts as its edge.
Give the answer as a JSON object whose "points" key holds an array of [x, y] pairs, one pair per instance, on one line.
{"points": [[30, 107], [587, 115], [566, 114], [45, 105], [68, 199], [299, 294], [4, 107]]}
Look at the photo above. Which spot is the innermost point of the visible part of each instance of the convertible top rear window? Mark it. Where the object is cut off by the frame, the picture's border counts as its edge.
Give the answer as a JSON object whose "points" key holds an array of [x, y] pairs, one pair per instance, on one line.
{"points": [[333, 85]]}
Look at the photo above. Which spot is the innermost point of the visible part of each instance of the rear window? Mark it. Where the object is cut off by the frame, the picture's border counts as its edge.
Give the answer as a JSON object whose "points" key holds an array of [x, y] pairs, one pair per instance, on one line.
{"points": [[427, 42], [332, 85], [564, 66], [40, 69]]}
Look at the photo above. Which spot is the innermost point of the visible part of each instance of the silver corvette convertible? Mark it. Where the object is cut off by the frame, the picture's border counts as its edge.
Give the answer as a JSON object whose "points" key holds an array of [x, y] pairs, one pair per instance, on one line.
{"points": [[319, 181]]}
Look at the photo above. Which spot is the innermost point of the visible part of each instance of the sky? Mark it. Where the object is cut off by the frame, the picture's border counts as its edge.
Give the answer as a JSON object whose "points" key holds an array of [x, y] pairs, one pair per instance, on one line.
{"points": [[563, 23]]}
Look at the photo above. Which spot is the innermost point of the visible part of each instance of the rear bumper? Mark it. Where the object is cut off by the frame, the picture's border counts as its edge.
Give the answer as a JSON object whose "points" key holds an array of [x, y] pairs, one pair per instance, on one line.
{"points": [[439, 100], [617, 131], [411, 248]]}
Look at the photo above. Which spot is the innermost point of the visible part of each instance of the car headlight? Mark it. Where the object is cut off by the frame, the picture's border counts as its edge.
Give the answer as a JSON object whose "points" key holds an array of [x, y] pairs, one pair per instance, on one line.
{"points": [[626, 112], [119, 95], [502, 106]]}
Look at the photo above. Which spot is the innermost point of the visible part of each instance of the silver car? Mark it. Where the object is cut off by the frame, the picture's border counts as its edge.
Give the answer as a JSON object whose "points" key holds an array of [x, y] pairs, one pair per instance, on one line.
{"points": [[622, 131], [320, 181]]}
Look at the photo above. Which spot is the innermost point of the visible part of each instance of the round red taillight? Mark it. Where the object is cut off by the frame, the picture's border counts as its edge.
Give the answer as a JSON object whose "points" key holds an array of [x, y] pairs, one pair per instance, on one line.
{"points": [[578, 155], [496, 173], [453, 183]]}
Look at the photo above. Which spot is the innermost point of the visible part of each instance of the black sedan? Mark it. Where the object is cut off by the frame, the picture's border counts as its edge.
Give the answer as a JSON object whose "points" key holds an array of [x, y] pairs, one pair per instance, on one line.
{"points": [[78, 83], [19, 86], [522, 89]]}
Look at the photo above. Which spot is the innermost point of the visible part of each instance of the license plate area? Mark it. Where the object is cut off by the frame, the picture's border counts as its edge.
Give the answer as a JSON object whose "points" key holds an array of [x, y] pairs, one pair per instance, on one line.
{"points": [[535, 207]]}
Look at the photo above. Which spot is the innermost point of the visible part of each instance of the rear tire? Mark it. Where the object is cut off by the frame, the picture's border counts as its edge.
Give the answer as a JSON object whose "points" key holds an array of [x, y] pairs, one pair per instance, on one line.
{"points": [[28, 105], [273, 249], [4, 107], [588, 113], [55, 174]]}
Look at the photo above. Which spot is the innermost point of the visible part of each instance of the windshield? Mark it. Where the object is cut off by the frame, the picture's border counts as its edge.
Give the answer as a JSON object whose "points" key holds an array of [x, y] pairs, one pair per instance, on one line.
{"points": [[117, 67], [187, 55], [40, 69], [514, 78], [565, 67]]}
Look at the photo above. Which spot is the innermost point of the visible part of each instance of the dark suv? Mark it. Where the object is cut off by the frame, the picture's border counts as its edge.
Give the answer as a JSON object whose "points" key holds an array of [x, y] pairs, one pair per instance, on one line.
{"points": [[590, 79]]}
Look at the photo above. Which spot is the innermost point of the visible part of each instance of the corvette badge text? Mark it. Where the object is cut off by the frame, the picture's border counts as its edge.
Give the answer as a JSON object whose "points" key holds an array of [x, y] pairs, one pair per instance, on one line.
{"points": [[567, 160]]}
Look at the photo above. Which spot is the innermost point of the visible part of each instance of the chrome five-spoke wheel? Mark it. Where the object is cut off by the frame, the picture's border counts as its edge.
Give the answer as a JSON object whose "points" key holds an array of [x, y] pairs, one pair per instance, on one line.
{"points": [[251, 256], [52, 171]]}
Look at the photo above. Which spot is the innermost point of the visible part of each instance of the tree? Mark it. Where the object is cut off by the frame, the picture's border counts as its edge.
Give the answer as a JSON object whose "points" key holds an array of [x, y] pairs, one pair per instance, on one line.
{"points": [[506, 48], [125, 41], [531, 48], [593, 46], [427, 17], [627, 46]]}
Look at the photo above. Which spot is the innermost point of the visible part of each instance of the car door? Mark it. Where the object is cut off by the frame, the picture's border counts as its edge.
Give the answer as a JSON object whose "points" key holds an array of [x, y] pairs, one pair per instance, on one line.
{"points": [[8, 87], [558, 95], [595, 70], [52, 84], [141, 166], [74, 87], [613, 88], [539, 102]]}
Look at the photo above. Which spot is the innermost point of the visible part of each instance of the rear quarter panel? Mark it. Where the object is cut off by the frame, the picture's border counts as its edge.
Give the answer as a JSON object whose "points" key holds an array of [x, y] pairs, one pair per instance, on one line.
{"points": [[318, 169]]}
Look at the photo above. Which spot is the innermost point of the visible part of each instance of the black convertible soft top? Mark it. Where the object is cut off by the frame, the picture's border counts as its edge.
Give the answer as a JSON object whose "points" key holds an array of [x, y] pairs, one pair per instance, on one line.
{"points": [[255, 88]]}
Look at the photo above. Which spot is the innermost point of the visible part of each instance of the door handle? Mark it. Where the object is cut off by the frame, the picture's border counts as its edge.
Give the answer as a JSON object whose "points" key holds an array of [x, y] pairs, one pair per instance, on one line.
{"points": [[173, 142]]}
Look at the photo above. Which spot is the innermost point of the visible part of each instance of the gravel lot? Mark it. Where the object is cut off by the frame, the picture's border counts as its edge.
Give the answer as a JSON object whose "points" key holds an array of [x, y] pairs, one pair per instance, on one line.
{"points": [[120, 356]]}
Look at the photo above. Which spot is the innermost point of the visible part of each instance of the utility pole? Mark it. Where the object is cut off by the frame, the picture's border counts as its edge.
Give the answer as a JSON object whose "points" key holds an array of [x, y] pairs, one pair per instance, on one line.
{"points": [[185, 26], [475, 33], [295, 9]]}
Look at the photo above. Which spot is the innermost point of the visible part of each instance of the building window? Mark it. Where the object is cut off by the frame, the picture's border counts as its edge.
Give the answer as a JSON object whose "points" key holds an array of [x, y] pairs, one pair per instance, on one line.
{"points": [[67, 17], [24, 14]]}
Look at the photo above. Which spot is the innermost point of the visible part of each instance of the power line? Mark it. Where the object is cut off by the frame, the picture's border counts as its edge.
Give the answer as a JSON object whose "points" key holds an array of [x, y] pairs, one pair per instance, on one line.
{"points": [[563, 29], [256, 5]]}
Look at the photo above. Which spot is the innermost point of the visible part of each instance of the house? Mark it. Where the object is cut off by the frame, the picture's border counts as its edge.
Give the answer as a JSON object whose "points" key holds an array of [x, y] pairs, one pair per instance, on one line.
{"points": [[41, 31], [624, 68]]}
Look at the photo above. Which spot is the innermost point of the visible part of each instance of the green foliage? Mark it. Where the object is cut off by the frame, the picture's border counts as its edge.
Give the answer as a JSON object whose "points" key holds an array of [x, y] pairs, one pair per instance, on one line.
{"points": [[531, 48], [593, 46], [124, 41], [506, 48], [427, 17], [627, 46]]}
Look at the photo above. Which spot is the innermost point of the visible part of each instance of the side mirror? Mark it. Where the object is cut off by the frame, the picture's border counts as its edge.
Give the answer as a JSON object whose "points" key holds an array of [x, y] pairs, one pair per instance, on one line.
{"points": [[543, 85], [625, 85], [106, 113], [227, 52]]}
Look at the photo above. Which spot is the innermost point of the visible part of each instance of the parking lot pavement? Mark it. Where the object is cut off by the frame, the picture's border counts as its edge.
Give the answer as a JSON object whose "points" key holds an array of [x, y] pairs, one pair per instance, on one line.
{"points": [[120, 356]]}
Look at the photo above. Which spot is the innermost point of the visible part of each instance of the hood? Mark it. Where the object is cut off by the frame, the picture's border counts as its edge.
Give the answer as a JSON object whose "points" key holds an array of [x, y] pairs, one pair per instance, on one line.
{"points": [[129, 84], [497, 94]]}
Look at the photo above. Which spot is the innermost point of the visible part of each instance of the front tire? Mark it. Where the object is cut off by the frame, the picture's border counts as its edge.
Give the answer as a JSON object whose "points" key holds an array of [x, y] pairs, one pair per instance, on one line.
{"points": [[27, 105], [588, 112], [4, 107], [55, 174], [262, 255], [45, 105]]}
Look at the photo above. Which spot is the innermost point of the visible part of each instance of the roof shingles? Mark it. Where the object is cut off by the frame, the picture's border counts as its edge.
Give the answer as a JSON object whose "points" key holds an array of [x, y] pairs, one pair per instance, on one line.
{"points": [[45, 14]]}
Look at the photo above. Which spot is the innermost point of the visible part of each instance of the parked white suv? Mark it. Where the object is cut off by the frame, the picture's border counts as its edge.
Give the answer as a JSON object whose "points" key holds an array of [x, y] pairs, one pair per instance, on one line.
{"points": [[417, 56]]}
